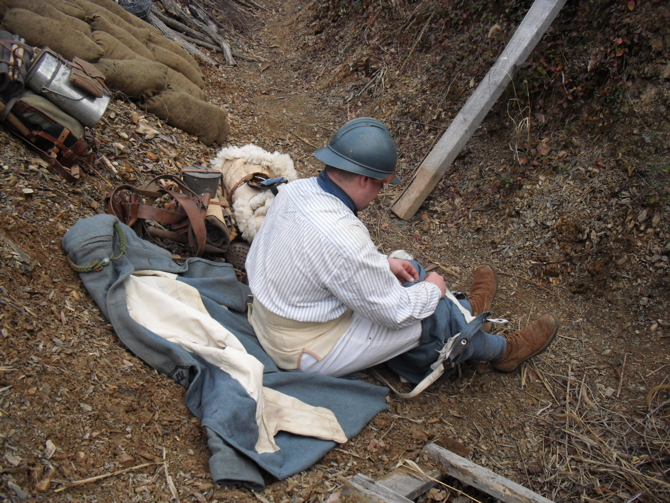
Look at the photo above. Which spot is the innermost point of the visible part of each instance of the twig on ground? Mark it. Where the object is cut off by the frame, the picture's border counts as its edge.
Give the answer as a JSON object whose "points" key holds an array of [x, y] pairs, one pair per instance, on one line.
{"points": [[303, 140], [349, 452], [420, 123], [414, 467], [653, 391], [544, 381], [260, 497], [407, 418], [623, 368], [525, 279], [423, 30], [105, 476], [390, 428], [170, 482], [659, 368]]}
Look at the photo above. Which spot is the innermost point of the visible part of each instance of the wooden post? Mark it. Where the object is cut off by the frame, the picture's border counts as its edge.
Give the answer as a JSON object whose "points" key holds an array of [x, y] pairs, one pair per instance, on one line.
{"points": [[524, 40], [485, 480]]}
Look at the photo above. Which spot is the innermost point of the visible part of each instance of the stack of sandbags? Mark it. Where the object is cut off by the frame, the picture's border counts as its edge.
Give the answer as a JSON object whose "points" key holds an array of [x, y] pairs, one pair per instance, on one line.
{"points": [[135, 57]]}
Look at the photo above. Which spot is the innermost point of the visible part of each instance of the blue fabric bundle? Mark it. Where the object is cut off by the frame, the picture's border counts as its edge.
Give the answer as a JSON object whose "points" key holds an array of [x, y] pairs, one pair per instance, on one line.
{"points": [[226, 411]]}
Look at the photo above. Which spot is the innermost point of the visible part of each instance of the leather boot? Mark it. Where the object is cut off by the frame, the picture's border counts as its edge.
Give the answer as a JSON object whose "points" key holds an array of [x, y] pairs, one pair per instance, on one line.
{"points": [[482, 291], [526, 343]]}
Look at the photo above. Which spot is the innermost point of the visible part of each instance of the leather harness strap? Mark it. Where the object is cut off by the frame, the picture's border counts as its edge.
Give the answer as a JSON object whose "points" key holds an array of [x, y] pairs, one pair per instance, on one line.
{"points": [[135, 206], [243, 181]]}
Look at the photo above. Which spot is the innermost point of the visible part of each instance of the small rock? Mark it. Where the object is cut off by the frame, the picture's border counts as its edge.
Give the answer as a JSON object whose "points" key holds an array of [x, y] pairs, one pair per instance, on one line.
{"points": [[125, 459], [376, 445], [43, 485], [20, 493], [49, 449], [86, 407], [15, 460]]}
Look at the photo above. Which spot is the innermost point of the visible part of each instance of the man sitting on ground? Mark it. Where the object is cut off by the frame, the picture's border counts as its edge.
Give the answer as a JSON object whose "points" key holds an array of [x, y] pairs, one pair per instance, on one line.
{"points": [[327, 301]]}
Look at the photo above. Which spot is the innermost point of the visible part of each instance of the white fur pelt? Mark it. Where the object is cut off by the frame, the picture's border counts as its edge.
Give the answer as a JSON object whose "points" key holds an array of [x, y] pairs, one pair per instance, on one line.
{"points": [[250, 205]]}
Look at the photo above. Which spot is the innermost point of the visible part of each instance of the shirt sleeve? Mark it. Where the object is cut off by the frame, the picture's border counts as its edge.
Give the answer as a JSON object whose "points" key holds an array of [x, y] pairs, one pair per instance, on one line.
{"points": [[363, 281]]}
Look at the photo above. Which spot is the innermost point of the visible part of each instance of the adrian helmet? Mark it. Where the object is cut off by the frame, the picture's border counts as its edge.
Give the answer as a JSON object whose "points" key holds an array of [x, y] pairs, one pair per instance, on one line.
{"points": [[363, 146]]}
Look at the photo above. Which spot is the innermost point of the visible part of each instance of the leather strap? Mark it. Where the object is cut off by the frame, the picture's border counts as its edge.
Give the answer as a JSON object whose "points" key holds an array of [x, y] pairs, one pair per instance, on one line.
{"points": [[242, 181], [418, 389], [134, 206], [197, 218], [68, 155]]}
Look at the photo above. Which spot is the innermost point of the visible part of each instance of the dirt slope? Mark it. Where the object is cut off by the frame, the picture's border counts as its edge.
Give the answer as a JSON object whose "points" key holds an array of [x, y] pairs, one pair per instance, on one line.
{"points": [[564, 188]]}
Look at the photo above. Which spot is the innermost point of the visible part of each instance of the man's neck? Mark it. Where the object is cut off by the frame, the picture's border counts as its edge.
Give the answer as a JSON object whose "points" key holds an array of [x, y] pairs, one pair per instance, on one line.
{"points": [[338, 188]]}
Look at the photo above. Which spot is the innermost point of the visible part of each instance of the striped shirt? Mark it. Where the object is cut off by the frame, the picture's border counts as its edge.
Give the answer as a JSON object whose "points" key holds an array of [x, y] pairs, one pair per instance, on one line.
{"points": [[313, 258]]}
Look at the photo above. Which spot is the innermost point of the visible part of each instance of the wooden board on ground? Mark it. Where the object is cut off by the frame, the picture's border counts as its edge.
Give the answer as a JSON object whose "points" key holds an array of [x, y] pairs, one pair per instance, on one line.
{"points": [[367, 490], [534, 25], [408, 483], [481, 478]]}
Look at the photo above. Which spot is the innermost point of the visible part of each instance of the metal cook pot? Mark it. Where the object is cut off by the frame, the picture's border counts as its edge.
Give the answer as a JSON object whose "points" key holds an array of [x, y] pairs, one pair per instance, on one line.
{"points": [[50, 77]]}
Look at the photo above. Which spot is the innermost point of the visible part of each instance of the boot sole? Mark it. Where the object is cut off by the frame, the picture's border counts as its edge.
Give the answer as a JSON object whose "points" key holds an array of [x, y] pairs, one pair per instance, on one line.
{"points": [[549, 341]]}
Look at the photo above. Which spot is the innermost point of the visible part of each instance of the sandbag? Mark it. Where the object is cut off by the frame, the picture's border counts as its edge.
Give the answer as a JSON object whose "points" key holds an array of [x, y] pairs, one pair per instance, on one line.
{"points": [[115, 8], [99, 22], [70, 8], [141, 34], [173, 46], [134, 78], [177, 63], [196, 117], [61, 37], [177, 82], [114, 49], [46, 9], [155, 36]]}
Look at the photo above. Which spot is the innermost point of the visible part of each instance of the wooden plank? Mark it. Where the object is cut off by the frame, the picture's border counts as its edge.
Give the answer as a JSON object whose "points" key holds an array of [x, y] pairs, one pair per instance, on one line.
{"points": [[370, 491], [483, 479], [534, 25], [409, 484]]}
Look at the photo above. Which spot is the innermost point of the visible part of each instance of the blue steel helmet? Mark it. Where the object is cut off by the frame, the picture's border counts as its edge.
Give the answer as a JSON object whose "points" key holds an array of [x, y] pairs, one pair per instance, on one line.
{"points": [[363, 146]]}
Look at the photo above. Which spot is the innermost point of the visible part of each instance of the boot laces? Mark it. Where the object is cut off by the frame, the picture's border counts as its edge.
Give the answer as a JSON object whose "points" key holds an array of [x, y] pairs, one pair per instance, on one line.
{"points": [[517, 338]]}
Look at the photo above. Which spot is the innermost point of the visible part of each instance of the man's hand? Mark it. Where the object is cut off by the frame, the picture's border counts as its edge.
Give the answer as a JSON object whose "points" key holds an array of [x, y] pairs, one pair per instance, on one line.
{"points": [[403, 270], [438, 280]]}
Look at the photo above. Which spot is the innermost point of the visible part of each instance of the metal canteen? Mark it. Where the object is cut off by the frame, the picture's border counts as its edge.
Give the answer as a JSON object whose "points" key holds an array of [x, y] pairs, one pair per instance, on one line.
{"points": [[50, 77]]}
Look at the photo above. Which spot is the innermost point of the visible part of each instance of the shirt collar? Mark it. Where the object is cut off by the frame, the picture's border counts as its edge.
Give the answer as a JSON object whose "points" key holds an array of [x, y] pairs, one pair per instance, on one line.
{"points": [[329, 186]]}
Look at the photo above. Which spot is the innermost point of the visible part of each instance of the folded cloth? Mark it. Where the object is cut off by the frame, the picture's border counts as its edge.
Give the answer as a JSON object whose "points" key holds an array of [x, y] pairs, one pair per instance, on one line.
{"points": [[225, 408], [175, 311]]}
